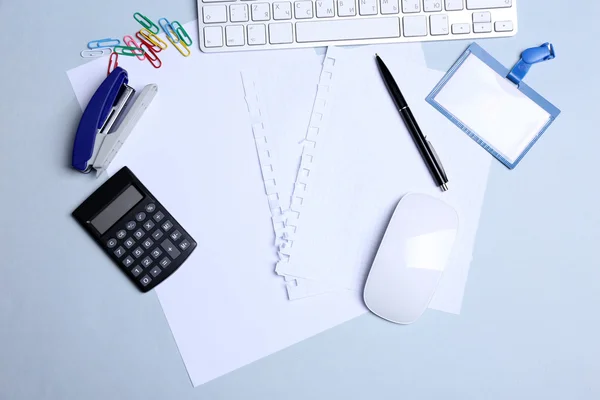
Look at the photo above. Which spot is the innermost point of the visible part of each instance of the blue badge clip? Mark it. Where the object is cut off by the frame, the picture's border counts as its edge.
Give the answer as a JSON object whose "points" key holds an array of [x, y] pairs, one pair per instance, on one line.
{"points": [[529, 57]]}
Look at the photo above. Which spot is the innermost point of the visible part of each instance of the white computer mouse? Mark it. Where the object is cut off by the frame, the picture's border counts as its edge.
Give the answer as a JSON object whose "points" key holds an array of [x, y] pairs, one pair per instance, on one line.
{"points": [[411, 258]]}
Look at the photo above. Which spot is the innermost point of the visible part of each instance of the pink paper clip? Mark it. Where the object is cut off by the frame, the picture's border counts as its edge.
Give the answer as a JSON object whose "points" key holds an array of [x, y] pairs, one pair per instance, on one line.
{"points": [[129, 41], [151, 55], [155, 48], [112, 63]]}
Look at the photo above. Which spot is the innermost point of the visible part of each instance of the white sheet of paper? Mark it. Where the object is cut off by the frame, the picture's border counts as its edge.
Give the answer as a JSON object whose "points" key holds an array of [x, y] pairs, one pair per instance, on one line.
{"points": [[492, 106], [366, 161], [195, 151]]}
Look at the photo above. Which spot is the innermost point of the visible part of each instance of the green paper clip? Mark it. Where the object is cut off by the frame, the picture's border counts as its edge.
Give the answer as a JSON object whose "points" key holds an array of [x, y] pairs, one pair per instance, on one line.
{"points": [[146, 22], [129, 51], [183, 35]]}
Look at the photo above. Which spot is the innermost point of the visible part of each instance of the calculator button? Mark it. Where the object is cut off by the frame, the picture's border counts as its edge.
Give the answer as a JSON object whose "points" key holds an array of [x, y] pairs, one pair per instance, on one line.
{"points": [[119, 252], [148, 225], [155, 271], [148, 243], [157, 234], [145, 280], [121, 234], [150, 207], [139, 234], [130, 225], [140, 216], [138, 252], [129, 243], [170, 248], [128, 261], [158, 216], [184, 244], [156, 252], [146, 262], [167, 225], [111, 243], [165, 262], [175, 235], [136, 270]]}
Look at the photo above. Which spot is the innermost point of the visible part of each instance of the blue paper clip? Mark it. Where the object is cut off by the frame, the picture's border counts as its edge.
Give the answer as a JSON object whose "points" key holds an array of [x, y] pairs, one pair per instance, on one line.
{"points": [[103, 43], [529, 57], [168, 28]]}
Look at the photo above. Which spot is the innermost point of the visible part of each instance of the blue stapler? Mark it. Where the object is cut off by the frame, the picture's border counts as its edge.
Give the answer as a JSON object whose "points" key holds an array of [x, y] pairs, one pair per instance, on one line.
{"points": [[107, 121]]}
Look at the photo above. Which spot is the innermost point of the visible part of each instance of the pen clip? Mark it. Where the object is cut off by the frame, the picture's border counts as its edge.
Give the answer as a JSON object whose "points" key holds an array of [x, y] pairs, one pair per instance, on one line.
{"points": [[437, 158]]}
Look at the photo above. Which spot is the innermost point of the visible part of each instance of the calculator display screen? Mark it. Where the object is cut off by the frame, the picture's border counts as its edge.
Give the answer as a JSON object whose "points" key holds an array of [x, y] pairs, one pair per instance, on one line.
{"points": [[116, 209]]}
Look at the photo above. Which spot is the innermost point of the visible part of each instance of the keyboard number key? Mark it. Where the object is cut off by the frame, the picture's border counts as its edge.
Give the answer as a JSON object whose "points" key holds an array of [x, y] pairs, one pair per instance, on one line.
{"points": [[367, 7], [411, 6], [234, 35], [282, 10], [157, 252], [136, 270], [128, 261], [346, 8], [324, 9], [214, 14], [238, 12], [119, 252], [146, 280], [454, 5], [148, 243], [279, 33], [438, 24], [129, 243], [146, 262], [139, 234], [261, 12], [138, 252], [257, 34], [432, 5], [303, 9], [213, 37], [389, 7]]}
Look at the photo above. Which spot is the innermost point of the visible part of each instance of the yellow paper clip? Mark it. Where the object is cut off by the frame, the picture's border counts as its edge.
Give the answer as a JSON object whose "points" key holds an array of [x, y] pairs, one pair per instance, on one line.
{"points": [[179, 45], [152, 38]]}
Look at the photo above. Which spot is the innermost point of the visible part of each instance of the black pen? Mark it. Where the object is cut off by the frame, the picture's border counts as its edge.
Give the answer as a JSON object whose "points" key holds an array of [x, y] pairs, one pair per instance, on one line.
{"points": [[425, 147]]}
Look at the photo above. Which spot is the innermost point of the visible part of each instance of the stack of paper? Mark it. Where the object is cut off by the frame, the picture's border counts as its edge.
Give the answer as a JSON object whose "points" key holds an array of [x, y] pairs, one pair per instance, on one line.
{"points": [[229, 144]]}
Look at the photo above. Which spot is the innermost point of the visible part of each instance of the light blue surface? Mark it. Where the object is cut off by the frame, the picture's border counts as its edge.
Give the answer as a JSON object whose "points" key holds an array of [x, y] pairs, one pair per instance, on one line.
{"points": [[501, 70], [72, 327]]}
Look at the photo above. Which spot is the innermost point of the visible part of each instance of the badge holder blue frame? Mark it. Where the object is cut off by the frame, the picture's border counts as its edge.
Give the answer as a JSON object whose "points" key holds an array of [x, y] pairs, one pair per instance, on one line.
{"points": [[529, 57]]}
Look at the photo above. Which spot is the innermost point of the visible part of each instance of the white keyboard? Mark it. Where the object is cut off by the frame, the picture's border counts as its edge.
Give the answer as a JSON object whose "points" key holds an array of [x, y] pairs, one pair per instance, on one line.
{"points": [[235, 25]]}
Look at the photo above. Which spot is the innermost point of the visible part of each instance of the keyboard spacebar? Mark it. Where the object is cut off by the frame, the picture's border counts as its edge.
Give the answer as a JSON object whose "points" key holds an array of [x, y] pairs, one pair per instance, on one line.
{"points": [[350, 29]]}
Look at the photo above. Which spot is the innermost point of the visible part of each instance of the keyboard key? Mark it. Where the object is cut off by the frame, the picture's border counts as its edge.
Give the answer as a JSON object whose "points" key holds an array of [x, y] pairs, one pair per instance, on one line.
{"points": [[147, 243], [411, 6], [347, 29], [261, 12], [129, 243], [214, 14], [111, 243], [157, 252], [234, 35], [278, 33], [238, 13], [346, 8], [184, 244], [139, 217], [257, 34], [157, 234], [130, 225], [150, 207], [148, 225], [389, 7], [282, 10], [461, 29], [213, 37], [415, 26], [146, 262], [367, 7], [454, 5], [432, 5], [128, 261], [167, 225], [119, 252], [324, 8], [303, 9], [216, 1], [136, 270], [479, 4], [137, 253], [482, 16], [438, 24], [159, 215], [155, 271], [176, 235], [139, 234], [484, 27], [146, 280], [121, 234], [503, 26], [170, 248], [165, 262]]}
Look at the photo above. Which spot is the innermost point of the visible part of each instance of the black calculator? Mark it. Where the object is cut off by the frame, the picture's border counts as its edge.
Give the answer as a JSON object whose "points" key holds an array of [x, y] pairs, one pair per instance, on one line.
{"points": [[135, 230]]}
